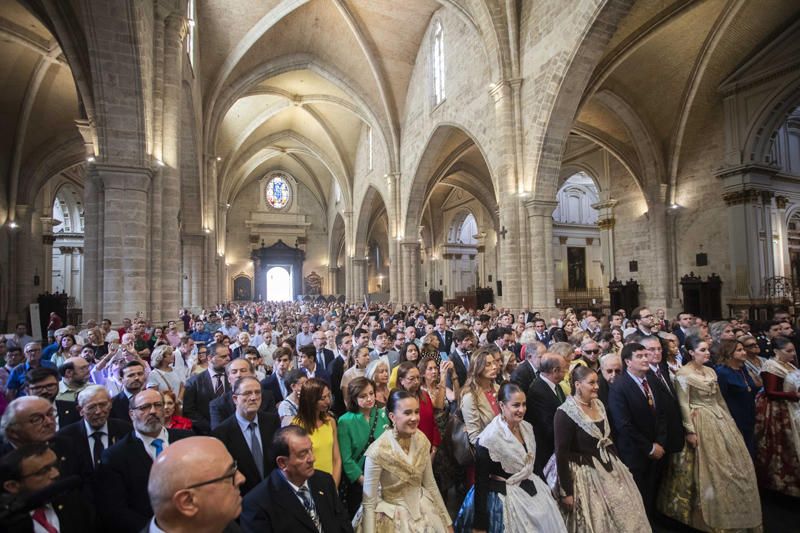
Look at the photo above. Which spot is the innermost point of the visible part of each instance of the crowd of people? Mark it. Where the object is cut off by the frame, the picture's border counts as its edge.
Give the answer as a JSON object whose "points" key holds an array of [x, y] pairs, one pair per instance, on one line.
{"points": [[333, 417]]}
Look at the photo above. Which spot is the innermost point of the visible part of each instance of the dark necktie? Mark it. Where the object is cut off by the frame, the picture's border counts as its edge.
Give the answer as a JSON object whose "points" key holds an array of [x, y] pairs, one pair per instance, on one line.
{"points": [[219, 388], [255, 449], [649, 394], [308, 503], [664, 381], [560, 393], [98, 447]]}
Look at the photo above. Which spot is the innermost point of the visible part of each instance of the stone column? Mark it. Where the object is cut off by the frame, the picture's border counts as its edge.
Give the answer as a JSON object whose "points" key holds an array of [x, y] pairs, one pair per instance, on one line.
{"points": [[66, 268], [540, 229], [46, 275], [783, 264], [93, 244], [359, 278], [333, 272], [21, 275], [210, 267], [410, 254], [174, 32], [77, 276], [606, 223], [125, 283]]}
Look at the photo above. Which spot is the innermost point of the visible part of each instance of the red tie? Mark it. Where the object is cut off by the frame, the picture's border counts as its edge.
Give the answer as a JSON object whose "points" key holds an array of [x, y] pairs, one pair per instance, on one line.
{"points": [[647, 393], [41, 519]]}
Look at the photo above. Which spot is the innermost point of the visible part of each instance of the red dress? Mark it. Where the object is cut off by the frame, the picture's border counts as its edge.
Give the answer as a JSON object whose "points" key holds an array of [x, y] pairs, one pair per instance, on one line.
{"points": [[179, 422], [777, 457], [427, 419]]}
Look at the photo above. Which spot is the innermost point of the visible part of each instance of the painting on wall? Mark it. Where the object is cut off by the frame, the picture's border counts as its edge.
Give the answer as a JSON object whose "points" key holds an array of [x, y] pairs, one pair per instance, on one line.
{"points": [[313, 284], [576, 268], [242, 289]]}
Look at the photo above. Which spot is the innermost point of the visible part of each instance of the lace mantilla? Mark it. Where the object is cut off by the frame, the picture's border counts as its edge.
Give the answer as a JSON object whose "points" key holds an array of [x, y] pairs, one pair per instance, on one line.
{"points": [[574, 411], [504, 448]]}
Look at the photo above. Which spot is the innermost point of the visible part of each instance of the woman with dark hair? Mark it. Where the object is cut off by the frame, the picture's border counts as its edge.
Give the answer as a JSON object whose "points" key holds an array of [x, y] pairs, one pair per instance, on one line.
{"points": [[409, 352], [778, 421], [597, 490], [507, 495], [358, 428], [357, 363], [313, 415], [408, 379], [400, 493], [738, 389], [67, 342], [711, 483]]}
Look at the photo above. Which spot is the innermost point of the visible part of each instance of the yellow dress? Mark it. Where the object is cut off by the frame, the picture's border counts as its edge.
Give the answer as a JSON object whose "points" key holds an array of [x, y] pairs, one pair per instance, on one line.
{"points": [[322, 445]]}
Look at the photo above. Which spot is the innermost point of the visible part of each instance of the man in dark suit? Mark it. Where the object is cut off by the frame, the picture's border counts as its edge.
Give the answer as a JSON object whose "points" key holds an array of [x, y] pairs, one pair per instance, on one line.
{"points": [[685, 321], [294, 497], [43, 382], [194, 486], [542, 335], [526, 371], [665, 393], [344, 344], [324, 355], [248, 433], [80, 445], [464, 340], [639, 424], [203, 388], [610, 369], [308, 364], [275, 383], [544, 397], [222, 408], [121, 479], [445, 335], [132, 382], [22, 480]]}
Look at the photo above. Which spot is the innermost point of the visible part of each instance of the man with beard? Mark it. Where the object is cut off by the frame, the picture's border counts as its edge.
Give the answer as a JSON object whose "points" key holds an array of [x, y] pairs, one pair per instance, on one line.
{"points": [[125, 467], [74, 378], [223, 407], [132, 382]]}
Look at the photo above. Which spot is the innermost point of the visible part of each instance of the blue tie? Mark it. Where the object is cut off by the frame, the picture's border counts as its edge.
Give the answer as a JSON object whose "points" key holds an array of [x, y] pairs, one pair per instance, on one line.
{"points": [[158, 444], [308, 503]]}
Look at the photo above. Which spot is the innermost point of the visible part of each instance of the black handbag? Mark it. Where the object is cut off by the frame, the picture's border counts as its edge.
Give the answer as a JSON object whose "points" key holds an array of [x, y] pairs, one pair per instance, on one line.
{"points": [[463, 451]]}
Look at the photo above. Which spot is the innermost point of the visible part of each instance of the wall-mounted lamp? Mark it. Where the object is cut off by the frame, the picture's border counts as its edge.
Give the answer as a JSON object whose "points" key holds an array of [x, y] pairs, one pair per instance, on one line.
{"points": [[206, 230], [13, 225], [90, 159]]}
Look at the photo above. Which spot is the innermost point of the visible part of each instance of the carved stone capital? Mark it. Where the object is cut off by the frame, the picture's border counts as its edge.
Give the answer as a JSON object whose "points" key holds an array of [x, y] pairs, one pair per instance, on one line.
{"points": [[741, 197], [781, 202], [607, 223]]}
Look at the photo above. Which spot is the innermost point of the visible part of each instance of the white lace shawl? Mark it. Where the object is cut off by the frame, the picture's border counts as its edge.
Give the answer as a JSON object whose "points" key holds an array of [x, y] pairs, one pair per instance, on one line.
{"points": [[504, 448], [574, 411]]}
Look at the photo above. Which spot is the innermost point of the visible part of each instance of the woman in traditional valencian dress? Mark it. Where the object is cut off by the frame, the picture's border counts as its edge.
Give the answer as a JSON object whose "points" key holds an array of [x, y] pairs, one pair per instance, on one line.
{"points": [[778, 421], [507, 496], [711, 483], [597, 490], [400, 493]]}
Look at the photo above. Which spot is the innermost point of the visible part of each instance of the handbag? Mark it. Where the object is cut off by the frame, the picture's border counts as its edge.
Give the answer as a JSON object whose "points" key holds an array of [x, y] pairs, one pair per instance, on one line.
{"points": [[463, 451]]}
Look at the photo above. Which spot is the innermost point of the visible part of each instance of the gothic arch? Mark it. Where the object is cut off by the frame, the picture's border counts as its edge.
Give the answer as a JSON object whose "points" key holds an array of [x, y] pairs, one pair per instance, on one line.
{"points": [[438, 161], [372, 202]]}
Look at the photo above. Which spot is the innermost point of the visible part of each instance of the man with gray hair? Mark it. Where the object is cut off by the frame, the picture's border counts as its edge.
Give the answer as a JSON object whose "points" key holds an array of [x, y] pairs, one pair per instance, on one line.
{"points": [[610, 368], [194, 487], [82, 443], [124, 467], [528, 369], [27, 420]]}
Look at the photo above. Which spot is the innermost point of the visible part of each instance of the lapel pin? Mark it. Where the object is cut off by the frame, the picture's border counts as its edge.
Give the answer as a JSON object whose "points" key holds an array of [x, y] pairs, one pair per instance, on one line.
{"points": [[321, 493]]}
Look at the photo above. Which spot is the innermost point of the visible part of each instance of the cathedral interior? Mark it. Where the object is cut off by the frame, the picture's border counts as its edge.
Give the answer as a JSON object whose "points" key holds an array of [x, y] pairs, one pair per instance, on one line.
{"points": [[160, 154]]}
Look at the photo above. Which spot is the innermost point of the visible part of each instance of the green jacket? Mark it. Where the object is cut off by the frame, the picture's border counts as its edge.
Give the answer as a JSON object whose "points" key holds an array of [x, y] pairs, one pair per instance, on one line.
{"points": [[353, 431]]}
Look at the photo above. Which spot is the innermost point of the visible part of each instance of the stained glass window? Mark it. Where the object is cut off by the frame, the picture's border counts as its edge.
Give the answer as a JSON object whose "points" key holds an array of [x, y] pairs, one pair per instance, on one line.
{"points": [[278, 192]]}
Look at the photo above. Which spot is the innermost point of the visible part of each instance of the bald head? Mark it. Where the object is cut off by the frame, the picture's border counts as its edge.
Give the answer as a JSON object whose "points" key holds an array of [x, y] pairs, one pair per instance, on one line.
{"points": [[27, 420], [188, 462]]}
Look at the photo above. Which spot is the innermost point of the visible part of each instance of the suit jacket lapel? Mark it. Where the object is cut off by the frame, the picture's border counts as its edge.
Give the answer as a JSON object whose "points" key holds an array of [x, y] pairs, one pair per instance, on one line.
{"points": [[289, 501]]}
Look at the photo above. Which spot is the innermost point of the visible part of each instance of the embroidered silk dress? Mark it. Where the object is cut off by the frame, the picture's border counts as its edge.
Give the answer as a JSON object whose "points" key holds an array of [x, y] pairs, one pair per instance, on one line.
{"points": [[604, 493], [711, 487], [778, 429], [400, 493]]}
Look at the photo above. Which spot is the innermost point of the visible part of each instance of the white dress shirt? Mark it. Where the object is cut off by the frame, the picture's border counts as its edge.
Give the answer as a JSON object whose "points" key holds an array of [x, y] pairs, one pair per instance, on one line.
{"points": [[50, 515], [148, 442], [90, 439]]}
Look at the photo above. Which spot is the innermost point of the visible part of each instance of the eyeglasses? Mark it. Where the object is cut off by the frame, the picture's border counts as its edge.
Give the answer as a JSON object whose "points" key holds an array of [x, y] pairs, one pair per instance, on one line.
{"points": [[96, 407], [43, 386], [37, 419], [249, 393], [613, 371], [148, 406], [591, 351], [231, 473]]}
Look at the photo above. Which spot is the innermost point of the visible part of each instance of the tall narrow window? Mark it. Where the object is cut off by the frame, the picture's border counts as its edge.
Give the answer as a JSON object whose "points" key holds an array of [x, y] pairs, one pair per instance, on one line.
{"points": [[369, 148], [438, 63], [191, 17]]}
